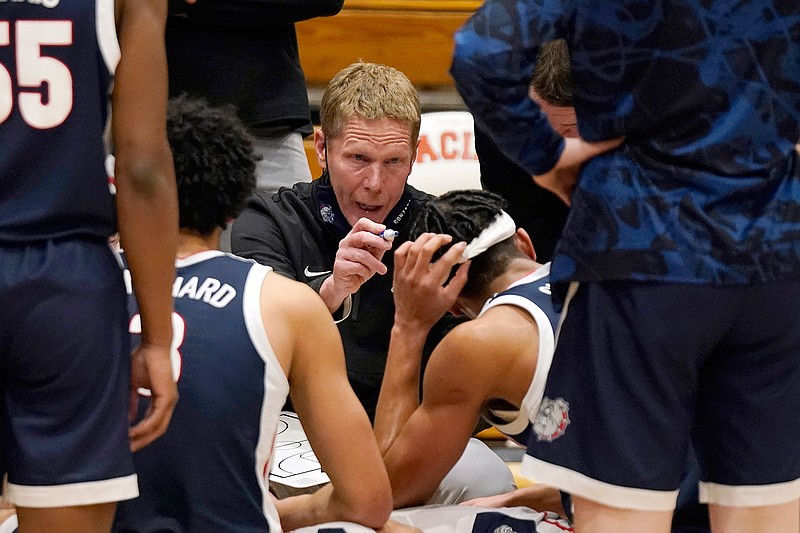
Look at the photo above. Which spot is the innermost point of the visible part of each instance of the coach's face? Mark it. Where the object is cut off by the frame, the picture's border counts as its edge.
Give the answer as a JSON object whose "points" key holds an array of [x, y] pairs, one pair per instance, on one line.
{"points": [[368, 164]]}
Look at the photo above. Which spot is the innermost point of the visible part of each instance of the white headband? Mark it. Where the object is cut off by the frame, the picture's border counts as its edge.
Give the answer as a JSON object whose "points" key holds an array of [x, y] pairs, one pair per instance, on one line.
{"points": [[500, 229]]}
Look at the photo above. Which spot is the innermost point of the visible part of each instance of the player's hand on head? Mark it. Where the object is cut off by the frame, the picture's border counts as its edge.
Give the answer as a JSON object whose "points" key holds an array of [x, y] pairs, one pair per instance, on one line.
{"points": [[562, 178], [152, 369], [359, 256], [422, 292]]}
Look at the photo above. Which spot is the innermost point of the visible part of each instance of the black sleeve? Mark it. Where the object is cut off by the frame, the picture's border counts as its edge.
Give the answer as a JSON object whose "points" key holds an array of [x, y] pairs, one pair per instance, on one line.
{"points": [[498, 173], [252, 14], [257, 235]]}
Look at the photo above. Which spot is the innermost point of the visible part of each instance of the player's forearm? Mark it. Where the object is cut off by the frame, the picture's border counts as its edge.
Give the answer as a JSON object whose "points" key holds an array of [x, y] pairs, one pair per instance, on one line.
{"points": [[399, 395], [304, 510], [538, 497], [405, 463], [148, 225], [326, 505], [147, 206]]}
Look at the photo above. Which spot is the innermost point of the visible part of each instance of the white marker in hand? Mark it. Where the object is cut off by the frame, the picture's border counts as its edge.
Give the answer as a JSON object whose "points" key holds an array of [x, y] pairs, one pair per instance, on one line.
{"points": [[389, 234]]}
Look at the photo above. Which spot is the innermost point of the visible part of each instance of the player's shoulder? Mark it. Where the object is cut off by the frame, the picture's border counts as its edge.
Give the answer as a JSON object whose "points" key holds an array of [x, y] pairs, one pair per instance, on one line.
{"points": [[291, 297], [283, 286], [503, 333], [500, 324]]}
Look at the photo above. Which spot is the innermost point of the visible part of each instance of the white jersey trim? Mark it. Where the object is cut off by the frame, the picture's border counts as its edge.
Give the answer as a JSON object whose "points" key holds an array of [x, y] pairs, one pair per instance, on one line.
{"points": [[749, 495], [500, 419], [347, 305], [199, 257], [533, 397], [582, 485], [85, 493], [9, 525], [571, 290], [106, 24], [276, 387]]}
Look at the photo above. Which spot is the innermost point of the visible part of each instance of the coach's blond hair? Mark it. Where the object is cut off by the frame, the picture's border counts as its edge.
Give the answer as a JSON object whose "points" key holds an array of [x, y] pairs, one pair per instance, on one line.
{"points": [[370, 91]]}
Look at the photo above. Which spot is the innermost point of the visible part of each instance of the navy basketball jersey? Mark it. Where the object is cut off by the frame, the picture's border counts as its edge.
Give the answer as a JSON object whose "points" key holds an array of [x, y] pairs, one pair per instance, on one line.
{"points": [[532, 294], [57, 58], [209, 471]]}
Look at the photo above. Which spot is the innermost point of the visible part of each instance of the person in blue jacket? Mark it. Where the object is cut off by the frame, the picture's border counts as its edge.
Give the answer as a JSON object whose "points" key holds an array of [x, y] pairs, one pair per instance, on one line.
{"points": [[681, 255]]}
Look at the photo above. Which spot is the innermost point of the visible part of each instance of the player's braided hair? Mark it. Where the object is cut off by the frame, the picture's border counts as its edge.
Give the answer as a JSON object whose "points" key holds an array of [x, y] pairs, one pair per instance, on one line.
{"points": [[464, 215], [214, 163]]}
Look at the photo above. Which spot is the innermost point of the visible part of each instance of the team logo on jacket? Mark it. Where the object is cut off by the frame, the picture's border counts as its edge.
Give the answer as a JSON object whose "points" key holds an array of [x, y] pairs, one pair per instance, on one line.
{"points": [[504, 529], [552, 419], [326, 212]]}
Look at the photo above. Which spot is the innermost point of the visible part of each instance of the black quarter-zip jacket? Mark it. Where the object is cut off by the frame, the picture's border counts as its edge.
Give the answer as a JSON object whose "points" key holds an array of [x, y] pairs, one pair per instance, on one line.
{"points": [[297, 232]]}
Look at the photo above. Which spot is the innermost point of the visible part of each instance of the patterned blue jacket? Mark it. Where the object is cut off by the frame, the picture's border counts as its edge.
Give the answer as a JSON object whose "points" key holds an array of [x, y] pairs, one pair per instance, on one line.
{"points": [[706, 187]]}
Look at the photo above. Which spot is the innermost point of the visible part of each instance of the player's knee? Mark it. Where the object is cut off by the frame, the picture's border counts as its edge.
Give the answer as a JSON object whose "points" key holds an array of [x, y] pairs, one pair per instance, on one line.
{"points": [[477, 474]]}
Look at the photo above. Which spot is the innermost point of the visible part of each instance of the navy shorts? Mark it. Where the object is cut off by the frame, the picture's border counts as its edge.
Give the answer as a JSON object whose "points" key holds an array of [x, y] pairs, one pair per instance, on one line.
{"points": [[643, 370], [64, 375]]}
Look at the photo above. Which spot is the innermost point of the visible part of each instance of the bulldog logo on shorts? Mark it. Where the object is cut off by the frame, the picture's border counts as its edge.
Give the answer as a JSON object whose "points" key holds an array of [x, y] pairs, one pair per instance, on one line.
{"points": [[552, 419]]}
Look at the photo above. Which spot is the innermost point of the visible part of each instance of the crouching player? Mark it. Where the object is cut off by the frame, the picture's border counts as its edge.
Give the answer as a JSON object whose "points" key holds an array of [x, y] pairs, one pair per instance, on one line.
{"points": [[244, 337], [494, 365]]}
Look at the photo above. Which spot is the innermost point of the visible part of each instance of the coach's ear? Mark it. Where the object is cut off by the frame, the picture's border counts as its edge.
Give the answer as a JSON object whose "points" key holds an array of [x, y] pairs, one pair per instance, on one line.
{"points": [[321, 148], [524, 243]]}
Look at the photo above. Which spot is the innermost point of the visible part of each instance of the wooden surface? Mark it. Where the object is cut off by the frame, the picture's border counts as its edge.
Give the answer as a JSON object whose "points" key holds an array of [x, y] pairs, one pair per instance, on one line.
{"points": [[415, 5], [418, 42], [413, 36]]}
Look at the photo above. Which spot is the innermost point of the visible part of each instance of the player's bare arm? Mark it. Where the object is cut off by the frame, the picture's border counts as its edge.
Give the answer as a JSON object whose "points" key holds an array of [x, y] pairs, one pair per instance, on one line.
{"points": [[474, 363], [444, 421], [538, 496], [421, 299], [459, 379], [336, 424], [146, 199]]}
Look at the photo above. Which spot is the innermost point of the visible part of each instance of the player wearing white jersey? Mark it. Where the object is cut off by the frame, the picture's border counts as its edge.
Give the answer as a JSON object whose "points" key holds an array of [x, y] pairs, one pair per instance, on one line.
{"points": [[494, 366], [479, 363]]}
